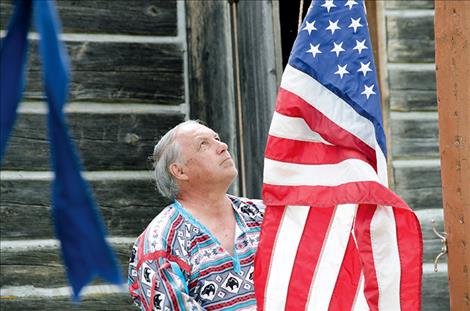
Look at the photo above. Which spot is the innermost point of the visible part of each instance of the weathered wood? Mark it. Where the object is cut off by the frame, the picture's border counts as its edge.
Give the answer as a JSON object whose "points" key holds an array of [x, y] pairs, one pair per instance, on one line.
{"points": [[413, 101], [110, 302], [260, 73], [412, 78], [127, 206], [453, 95], [406, 4], [117, 71], [104, 140], [435, 291], [141, 17], [419, 185], [405, 51], [210, 69], [414, 135], [43, 268], [405, 34]]}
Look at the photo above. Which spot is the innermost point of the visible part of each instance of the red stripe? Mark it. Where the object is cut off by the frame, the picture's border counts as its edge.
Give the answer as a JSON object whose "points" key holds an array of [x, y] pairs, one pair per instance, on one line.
{"points": [[308, 253], [366, 192], [347, 282], [410, 246], [198, 240], [269, 228], [170, 290], [162, 254], [289, 104], [364, 216], [313, 153], [172, 231]]}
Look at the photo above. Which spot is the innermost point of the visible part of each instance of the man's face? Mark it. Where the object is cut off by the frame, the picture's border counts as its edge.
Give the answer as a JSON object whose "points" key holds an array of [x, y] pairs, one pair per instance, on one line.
{"points": [[204, 157]]}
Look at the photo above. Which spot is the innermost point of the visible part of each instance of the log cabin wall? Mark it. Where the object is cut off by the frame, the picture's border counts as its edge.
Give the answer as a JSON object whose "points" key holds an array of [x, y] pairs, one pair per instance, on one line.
{"points": [[128, 87], [414, 130]]}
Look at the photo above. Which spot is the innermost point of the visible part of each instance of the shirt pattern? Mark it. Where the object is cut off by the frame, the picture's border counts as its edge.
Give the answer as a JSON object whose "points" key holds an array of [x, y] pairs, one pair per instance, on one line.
{"points": [[176, 263]]}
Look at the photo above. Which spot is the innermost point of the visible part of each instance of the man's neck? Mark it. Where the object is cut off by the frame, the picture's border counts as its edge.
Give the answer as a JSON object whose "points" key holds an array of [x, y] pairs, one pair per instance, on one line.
{"points": [[207, 204]]}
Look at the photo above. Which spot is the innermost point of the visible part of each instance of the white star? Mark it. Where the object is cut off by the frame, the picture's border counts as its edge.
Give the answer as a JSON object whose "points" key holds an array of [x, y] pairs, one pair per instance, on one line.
{"points": [[350, 3], [355, 23], [368, 91], [310, 26], [360, 46], [338, 48], [314, 50], [364, 68], [333, 26], [328, 5], [341, 71]]}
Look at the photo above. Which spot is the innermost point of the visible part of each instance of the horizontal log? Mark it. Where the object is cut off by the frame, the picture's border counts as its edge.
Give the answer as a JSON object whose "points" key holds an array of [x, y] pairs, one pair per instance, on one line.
{"points": [[42, 267], [104, 140], [114, 71], [98, 302], [142, 17], [415, 4], [435, 295], [406, 51], [414, 135], [412, 77], [411, 27], [127, 206], [413, 101]]}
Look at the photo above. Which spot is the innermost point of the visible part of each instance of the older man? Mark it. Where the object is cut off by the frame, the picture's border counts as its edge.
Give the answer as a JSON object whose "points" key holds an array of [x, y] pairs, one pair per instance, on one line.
{"points": [[198, 253]]}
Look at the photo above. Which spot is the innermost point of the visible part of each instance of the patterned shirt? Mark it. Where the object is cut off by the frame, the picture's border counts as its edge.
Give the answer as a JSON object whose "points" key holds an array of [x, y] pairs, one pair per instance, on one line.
{"points": [[177, 264]]}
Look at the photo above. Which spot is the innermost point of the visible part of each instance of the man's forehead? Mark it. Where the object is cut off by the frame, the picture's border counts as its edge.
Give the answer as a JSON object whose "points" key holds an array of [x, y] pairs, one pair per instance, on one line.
{"points": [[195, 130]]}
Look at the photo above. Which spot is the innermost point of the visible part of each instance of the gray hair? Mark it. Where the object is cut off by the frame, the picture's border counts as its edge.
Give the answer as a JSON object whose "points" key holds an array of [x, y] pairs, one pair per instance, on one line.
{"points": [[165, 153]]}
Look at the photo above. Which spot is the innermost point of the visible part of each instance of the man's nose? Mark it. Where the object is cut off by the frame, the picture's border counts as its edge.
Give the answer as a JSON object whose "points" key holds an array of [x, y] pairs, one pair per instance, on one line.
{"points": [[221, 147]]}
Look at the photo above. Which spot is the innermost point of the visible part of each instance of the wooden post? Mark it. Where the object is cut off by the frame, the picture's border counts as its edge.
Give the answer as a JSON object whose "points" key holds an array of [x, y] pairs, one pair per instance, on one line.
{"points": [[452, 33], [376, 21]]}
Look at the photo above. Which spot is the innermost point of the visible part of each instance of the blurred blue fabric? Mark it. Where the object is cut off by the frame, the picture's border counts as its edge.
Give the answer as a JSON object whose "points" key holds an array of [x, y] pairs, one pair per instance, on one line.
{"points": [[78, 224]]}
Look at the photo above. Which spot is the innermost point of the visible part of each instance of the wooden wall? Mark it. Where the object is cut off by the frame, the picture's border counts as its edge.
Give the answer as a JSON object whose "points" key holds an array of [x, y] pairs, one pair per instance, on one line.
{"points": [[128, 87], [414, 130]]}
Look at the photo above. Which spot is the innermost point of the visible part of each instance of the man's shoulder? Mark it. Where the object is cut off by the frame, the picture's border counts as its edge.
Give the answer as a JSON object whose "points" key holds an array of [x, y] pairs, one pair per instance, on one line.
{"points": [[157, 233]]}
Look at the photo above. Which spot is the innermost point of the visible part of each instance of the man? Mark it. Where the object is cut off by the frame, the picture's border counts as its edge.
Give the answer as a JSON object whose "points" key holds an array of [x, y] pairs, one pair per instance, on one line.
{"points": [[198, 253]]}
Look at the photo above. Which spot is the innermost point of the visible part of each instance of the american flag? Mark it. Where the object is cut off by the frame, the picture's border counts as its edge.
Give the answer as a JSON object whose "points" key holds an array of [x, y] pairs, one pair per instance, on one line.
{"points": [[334, 236]]}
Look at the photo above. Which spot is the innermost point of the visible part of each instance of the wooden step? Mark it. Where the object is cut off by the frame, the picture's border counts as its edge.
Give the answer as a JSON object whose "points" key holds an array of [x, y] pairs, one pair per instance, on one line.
{"points": [[128, 202], [403, 76], [141, 17], [108, 137], [38, 263]]}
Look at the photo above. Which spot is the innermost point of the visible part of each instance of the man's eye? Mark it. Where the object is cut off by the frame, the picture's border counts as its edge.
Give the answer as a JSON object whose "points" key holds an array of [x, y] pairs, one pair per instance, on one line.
{"points": [[217, 138]]}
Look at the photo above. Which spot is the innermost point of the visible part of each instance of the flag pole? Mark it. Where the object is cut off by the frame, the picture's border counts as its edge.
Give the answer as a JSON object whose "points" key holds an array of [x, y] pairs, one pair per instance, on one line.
{"points": [[452, 33]]}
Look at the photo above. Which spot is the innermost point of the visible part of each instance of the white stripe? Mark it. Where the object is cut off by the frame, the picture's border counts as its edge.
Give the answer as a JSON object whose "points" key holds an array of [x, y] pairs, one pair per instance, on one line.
{"points": [[325, 101], [293, 128], [284, 251], [331, 257], [360, 304], [290, 174], [382, 169], [386, 258]]}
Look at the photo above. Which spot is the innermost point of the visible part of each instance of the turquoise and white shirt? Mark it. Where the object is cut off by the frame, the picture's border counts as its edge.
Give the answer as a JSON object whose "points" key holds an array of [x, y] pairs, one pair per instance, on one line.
{"points": [[177, 264]]}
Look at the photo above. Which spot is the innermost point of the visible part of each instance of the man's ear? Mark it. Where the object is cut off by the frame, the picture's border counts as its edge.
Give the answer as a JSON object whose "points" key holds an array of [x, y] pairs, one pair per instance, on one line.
{"points": [[177, 171]]}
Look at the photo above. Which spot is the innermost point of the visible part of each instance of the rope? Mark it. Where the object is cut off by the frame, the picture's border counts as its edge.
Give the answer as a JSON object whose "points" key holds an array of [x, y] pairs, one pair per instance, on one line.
{"points": [[301, 12]]}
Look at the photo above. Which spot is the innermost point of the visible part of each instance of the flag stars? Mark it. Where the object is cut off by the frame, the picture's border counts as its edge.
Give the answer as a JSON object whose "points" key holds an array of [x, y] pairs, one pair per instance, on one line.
{"points": [[310, 27], [341, 71], [350, 3], [328, 5], [368, 91], [333, 26], [364, 68], [360, 46], [355, 24], [338, 48], [314, 49]]}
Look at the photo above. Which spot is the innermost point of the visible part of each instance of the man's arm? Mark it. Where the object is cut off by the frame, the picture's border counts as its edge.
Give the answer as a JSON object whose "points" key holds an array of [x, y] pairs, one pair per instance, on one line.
{"points": [[157, 283]]}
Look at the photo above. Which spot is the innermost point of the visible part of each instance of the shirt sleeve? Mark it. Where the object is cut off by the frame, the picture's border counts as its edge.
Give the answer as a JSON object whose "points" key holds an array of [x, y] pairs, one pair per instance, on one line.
{"points": [[158, 283]]}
